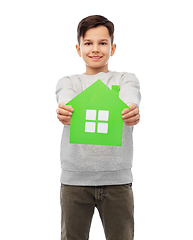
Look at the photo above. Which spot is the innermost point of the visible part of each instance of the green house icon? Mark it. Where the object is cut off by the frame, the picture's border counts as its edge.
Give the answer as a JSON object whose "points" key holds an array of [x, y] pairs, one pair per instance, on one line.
{"points": [[97, 118]]}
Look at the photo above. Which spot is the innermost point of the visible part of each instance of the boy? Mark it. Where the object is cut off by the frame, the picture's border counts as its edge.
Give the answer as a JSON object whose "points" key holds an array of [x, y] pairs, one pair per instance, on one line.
{"points": [[97, 176]]}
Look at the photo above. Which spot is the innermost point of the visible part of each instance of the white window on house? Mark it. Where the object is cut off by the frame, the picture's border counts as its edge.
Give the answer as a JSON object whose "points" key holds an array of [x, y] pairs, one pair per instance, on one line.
{"points": [[97, 121]]}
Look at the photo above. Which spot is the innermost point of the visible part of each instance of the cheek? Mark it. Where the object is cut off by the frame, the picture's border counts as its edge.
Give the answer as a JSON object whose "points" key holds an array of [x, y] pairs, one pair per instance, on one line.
{"points": [[107, 52], [85, 52]]}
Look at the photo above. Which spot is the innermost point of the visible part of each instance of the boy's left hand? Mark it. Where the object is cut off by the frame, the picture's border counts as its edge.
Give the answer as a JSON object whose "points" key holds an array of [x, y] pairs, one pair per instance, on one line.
{"points": [[131, 116]]}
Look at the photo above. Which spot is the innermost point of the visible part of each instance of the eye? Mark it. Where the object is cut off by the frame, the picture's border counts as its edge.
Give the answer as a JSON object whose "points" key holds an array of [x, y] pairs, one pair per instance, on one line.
{"points": [[87, 43], [103, 43]]}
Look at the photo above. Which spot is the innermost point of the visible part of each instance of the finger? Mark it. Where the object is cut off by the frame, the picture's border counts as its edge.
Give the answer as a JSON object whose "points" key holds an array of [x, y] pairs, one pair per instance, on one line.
{"points": [[61, 111], [126, 110], [65, 123], [132, 106], [132, 123], [63, 118], [66, 107], [131, 113], [132, 119]]}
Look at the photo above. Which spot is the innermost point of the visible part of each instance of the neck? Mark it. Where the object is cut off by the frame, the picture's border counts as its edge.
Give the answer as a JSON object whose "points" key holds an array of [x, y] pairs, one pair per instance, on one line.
{"points": [[94, 71]]}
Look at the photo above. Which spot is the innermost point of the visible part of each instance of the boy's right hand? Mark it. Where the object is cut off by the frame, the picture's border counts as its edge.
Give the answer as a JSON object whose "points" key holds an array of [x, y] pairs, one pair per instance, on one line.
{"points": [[64, 113]]}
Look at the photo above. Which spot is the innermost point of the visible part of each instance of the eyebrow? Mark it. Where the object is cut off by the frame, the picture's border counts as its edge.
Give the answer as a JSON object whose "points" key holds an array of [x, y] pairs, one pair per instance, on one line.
{"points": [[104, 40], [89, 40]]}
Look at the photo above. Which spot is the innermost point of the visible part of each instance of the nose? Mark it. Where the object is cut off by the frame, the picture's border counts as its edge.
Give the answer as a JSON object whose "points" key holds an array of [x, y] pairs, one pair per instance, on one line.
{"points": [[95, 48]]}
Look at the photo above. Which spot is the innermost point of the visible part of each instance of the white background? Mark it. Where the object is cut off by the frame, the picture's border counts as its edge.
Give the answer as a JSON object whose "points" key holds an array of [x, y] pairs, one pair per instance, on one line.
{"points": [[154, 41]]}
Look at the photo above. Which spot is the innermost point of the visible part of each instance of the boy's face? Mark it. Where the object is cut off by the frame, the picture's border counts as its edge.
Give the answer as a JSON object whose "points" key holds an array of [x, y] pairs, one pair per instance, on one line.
{"points": [[96, 49]]}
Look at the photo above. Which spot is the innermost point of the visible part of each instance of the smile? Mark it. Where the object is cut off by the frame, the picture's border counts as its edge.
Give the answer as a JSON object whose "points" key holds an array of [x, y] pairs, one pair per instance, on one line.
{"points": [[95, 57]]}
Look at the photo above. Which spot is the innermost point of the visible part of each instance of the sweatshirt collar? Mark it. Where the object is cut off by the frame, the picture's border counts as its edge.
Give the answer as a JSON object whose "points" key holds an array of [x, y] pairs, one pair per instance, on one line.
{"points": [[98, 74]]}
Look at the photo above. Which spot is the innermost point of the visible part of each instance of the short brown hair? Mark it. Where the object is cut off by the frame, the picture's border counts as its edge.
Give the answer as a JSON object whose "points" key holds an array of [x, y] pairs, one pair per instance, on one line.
{"points": [[94, 21]]}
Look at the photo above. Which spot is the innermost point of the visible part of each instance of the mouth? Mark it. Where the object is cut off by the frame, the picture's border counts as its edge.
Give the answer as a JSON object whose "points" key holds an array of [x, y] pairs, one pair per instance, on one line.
{"points": [[95, 57]]}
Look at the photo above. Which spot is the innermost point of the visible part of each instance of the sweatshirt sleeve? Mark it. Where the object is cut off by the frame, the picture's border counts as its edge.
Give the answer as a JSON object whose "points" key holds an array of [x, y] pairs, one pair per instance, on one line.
{"points": [[65, 90], [130, 89]]}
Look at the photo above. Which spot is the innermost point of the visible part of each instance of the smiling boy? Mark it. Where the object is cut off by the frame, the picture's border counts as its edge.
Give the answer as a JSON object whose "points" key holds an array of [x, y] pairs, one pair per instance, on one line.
{"points": [[97, 176], [96, 48]]}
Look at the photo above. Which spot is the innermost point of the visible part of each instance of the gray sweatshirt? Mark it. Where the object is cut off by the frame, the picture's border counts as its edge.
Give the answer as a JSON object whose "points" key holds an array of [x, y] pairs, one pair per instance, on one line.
{"points": [[95, 165]]}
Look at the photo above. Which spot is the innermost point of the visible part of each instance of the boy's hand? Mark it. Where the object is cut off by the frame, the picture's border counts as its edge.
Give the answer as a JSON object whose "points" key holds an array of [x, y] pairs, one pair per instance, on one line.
{"points": [[131, 116], [64, 113]]}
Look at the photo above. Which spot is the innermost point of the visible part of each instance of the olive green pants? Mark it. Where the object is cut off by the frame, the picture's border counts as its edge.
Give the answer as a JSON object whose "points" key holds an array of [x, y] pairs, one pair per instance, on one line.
{"points": [[115, 206]]}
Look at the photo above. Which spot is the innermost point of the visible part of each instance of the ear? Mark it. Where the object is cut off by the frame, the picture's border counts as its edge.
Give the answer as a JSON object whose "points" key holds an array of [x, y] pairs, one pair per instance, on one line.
{"points": [[78, 50], [113, 48]]}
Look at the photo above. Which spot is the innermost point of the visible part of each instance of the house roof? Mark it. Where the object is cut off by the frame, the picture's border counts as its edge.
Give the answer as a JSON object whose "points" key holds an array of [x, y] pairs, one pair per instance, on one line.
{"points": [[99, 94]]}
